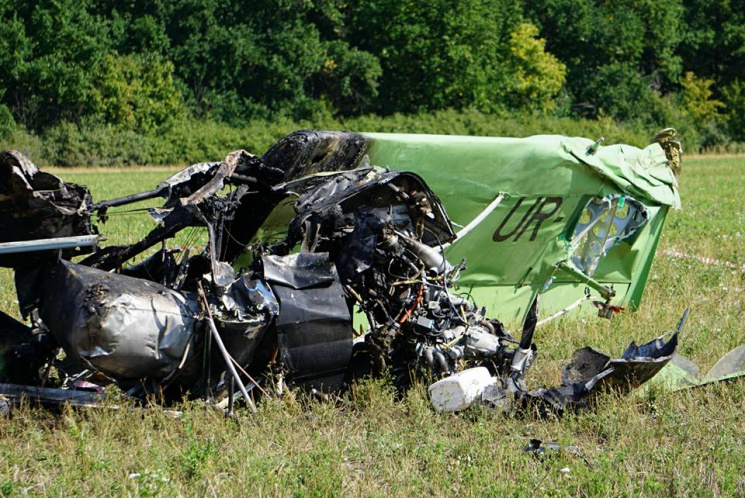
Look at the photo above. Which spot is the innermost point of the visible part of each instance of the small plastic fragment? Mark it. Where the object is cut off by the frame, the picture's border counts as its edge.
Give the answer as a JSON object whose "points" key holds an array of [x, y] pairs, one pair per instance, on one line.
{"points": [[458, 391]]}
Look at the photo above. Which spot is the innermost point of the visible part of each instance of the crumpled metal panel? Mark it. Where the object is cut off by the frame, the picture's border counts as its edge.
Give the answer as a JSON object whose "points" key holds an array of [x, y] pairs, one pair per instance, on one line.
{"points": [[247, 297], [186, 174], [119, 325], [590, 372], [314, 327], [306, 152], [682, 373], [245, 314], [38, 205], [299, 271], [353, 189]]}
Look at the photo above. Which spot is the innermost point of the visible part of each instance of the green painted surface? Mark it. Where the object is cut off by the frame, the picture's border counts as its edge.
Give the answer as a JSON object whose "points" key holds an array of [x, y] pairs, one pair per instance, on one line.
{"points": [[546, 182]]}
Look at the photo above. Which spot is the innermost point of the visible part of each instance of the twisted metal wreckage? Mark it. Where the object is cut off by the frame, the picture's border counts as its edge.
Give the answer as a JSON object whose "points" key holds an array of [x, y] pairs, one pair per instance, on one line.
{"points": [[357, 243]]}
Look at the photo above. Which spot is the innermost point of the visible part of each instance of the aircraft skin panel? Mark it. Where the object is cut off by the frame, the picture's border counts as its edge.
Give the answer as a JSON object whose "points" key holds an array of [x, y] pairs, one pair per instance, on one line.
{"points": [[545, 183]]}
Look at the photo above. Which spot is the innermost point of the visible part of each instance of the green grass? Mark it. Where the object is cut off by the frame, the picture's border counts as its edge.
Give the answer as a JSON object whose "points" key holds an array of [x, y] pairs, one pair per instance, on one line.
{"points": [[651, 443]]}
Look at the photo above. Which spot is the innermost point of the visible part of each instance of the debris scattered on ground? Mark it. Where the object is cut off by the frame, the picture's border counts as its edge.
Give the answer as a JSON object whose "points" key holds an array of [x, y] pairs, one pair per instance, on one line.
{"points": [[253, 314], [538, 447]]}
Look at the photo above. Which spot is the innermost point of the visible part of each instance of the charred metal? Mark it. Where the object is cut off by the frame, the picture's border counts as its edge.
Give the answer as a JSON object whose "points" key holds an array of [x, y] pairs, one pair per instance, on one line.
{"points": [[257, 313]]}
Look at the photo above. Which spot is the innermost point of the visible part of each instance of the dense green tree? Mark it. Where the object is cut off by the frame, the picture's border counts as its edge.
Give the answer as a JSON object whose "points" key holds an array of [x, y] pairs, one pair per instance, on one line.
{"points": [[7, 123], [437, 54], [734, 94], [617, 52], [49, 55], [536, 76], [696, 98], [713, 48], [713, 42], [136, 92], [237, 60], [137, 64]]}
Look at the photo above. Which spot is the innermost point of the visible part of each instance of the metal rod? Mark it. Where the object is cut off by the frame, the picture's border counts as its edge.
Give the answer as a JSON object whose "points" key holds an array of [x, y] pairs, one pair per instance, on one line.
{"points": [[49, 395], [476, 221], [604, 291], [566, 310], [231, 396], [129, 199], [243, 371], [207, 364], [226, 356], [48, 244], [683, 321], [236, 178]]}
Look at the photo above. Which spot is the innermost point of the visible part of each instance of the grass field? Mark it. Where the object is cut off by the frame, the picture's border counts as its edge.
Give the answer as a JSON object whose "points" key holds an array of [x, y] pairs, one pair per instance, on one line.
{"points": [[655, 442]]}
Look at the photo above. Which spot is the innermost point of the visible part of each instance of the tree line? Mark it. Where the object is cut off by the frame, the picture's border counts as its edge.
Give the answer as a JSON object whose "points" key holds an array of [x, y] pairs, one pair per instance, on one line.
{"points": [[138, 66]]}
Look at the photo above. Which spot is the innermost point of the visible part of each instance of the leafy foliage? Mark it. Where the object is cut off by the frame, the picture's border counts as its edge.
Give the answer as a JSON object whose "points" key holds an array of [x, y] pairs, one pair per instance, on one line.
{"points": [[50, 54], [735, 96], [615, 52], [7, 123], [144, 66], [187, 140], [438, 54], [713, 41], [696, 96], [136, 93], [536, 75]]}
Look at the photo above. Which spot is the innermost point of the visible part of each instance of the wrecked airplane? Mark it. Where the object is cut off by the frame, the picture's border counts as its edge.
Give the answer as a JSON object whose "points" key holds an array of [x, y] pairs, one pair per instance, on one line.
{"points": [[326, 233]]}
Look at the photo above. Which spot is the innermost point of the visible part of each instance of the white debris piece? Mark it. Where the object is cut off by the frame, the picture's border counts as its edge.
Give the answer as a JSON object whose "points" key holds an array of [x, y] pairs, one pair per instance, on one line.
{"points": [[460, 390]]}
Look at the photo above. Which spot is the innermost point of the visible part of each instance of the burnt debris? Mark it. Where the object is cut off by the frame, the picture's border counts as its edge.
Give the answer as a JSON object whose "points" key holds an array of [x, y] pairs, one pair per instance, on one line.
{"points": [[356, 240], [38, 205]]}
